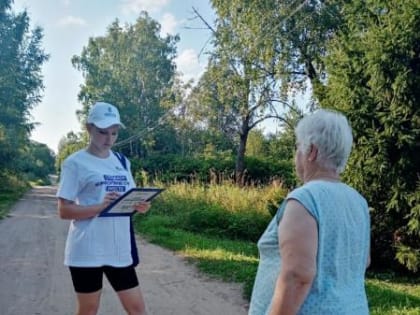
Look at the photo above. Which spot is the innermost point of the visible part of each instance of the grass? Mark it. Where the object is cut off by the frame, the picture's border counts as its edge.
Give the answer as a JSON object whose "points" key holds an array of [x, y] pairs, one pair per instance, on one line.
{"points": [[237, 261], [393, 295], [229, 196], [6, 201], [12, 189], [231, 261]]}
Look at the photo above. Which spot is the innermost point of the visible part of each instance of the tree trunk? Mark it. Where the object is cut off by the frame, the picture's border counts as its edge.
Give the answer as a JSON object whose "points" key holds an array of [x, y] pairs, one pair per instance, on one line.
{"points": [[240, 157]]}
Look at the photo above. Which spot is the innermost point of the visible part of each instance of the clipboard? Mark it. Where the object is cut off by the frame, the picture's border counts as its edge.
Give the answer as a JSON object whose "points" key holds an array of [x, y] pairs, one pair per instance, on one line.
{"points": [[123, 206]]}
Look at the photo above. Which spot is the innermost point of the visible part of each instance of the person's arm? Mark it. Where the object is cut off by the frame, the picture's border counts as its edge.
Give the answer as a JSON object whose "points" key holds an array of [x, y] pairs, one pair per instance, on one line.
{"points": [[368, 259], [298, 245], [68, 209]]}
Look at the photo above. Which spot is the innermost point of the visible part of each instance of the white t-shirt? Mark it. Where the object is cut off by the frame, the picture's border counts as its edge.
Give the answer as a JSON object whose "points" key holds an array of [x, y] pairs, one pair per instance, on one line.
{"points": [[97, 241]]}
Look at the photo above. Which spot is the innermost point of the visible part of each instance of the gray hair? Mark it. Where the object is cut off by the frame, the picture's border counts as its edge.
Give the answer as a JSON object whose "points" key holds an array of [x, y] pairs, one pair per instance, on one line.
{"points": [[331, 133]]}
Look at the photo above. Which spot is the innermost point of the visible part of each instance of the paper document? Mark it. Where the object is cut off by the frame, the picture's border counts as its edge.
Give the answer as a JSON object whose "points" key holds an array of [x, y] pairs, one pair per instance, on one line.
{"points": [[124, 204]]}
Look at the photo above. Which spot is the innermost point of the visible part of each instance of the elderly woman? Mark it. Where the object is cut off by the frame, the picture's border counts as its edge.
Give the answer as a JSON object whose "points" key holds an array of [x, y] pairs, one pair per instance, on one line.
{"points": [[314, 253]]}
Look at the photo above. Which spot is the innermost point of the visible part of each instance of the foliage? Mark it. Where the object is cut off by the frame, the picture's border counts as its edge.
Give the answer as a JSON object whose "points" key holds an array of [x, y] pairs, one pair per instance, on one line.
{"points": [[290, 44], [11, 190], [38, 162], [240, 88], [213, 169], [68, 145], [281, 145], [188, 136], [131, 67], [255, 145], [21, 58], [266, 170], [373, 76], [264, 64], [224, 209]]}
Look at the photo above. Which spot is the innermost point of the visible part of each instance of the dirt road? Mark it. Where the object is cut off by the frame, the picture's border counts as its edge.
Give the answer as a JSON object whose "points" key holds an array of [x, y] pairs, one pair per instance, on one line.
{"points": [[34, 281]]}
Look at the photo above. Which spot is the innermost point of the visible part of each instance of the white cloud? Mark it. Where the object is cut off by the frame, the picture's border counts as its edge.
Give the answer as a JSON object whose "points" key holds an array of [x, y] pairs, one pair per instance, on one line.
{"points": [[189, 65], [136, 6], [169, 24], [71, 21], [66, 3]]}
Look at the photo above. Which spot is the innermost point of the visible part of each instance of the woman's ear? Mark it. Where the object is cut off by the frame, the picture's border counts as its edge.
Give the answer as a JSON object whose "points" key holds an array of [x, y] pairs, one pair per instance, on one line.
{"points": [[313, 153]]}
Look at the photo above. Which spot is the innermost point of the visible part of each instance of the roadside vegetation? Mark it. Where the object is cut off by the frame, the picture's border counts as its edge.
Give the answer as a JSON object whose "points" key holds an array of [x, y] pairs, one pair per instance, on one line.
{"points": [[34, 167], [10, 191]]}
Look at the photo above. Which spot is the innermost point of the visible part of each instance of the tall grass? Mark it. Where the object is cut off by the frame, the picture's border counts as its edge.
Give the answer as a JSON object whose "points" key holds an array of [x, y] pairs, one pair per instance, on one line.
{"points": [[11, 190], [225, 210], [231, 197]]}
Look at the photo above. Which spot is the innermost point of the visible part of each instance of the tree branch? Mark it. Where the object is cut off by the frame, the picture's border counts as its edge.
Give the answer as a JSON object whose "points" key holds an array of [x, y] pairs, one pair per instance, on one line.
{"points": [[203, 20], [268, 117]]}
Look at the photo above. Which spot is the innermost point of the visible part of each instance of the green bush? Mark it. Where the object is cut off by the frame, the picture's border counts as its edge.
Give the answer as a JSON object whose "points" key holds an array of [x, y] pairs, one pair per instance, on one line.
{"points": [[213, 169], [263, 171], [13, 187]]}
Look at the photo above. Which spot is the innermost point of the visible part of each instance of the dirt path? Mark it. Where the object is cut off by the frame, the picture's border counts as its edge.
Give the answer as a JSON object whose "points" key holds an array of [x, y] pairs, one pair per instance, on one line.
{"points": [[34, 281]]}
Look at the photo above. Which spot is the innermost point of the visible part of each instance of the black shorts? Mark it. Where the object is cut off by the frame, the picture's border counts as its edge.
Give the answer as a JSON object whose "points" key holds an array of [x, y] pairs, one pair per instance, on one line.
{"points": [[89, 279]]}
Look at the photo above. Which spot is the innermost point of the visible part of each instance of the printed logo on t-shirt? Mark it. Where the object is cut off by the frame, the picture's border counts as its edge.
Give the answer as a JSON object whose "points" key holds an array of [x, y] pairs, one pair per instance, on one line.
{"points": [[117, 183], [120, 189]]}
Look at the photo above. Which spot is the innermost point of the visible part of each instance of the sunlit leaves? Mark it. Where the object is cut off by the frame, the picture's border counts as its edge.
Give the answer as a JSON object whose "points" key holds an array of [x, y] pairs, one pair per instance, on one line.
{"points": [[132, 66], [373, 76], [21, 58]]}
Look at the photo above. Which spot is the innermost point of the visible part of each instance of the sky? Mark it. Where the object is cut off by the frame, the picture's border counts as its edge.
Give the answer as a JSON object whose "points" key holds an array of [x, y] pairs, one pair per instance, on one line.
{"points": [[67, 26]]}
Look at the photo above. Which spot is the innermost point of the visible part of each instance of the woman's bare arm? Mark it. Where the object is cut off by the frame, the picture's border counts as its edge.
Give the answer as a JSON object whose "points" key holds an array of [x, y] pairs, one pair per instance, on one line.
{"points": [[298, 244]]}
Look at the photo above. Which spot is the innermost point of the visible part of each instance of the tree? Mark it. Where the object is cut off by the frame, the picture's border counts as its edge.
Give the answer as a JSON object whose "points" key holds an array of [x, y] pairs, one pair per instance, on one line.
{"points": [[264, 52], [131, 67], [212, 108], [191, 136], [281, 146], [239, 89], [374, 77], [69, 144], [21, 58], [256, 146], [38, 161], [291, 36]]}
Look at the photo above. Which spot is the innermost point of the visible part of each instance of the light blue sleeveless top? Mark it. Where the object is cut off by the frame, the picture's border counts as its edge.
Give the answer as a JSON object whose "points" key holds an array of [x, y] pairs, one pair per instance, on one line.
{"points": [[343, 222]]}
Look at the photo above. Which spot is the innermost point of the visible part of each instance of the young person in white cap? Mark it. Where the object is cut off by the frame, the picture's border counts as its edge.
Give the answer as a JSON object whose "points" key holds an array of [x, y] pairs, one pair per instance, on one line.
{"points": [[90, 180]]}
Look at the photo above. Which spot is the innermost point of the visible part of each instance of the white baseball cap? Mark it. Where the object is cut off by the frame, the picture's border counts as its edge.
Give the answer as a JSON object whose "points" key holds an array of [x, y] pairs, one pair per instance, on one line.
{"points": [[104, 115]]}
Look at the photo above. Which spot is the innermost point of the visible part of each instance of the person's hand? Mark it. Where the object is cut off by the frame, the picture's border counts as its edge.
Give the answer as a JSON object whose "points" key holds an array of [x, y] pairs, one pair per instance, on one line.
{"points": [[110, 197], [142, 206]]}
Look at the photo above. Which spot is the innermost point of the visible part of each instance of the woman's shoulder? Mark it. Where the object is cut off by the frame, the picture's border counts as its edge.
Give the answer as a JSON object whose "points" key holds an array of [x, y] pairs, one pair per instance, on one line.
{"points": [[307, 188], [318, 190], [75, 157]]}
